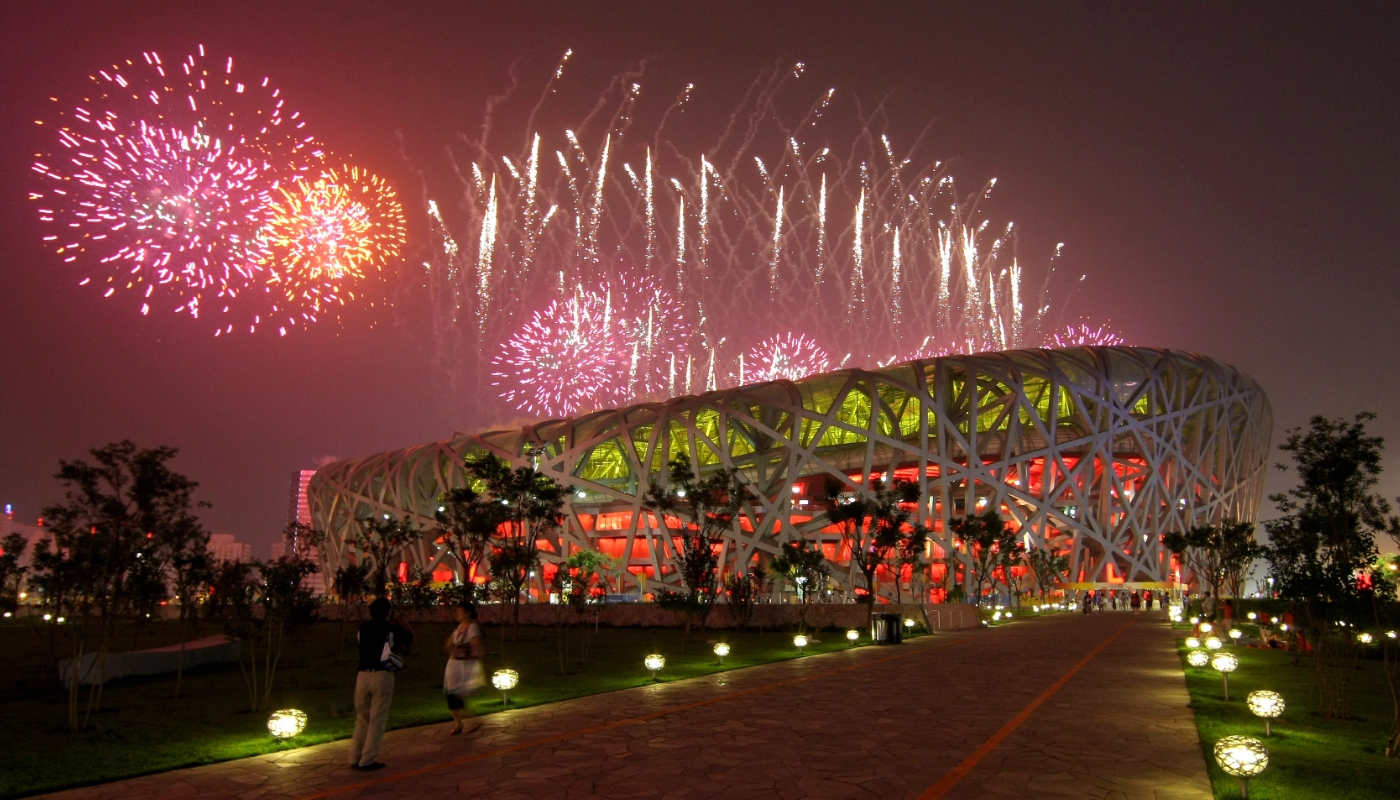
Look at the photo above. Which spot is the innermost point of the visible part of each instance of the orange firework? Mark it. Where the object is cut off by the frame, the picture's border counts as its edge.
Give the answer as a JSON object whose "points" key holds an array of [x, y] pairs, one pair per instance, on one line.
{"points": [[330, 233]]}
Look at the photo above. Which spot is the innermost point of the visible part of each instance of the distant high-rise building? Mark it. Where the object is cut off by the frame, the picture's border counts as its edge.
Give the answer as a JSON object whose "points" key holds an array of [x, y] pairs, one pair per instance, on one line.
{"points": [[223, 547], [299, 511]]}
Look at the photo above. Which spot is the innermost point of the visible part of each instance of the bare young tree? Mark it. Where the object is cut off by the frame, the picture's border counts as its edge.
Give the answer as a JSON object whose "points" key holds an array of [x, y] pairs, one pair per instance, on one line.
{"points": [[872, 523]]}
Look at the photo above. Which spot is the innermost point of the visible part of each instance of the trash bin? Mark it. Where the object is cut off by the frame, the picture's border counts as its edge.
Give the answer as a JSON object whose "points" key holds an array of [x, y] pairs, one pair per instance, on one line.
{"points": [[886, 629]]}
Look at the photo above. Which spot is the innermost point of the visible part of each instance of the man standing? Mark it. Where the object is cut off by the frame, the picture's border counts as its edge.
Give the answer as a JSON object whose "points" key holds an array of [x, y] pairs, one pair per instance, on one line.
{"points": [[374, 686]]}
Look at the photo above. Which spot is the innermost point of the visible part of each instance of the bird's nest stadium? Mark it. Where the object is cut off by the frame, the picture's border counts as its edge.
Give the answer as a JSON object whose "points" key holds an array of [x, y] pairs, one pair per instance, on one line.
{"points": [[1093, 451]]}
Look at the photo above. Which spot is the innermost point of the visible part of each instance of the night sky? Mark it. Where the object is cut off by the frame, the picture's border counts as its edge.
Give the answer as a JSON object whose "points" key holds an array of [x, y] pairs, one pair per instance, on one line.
{"points": [[1227, 176]]}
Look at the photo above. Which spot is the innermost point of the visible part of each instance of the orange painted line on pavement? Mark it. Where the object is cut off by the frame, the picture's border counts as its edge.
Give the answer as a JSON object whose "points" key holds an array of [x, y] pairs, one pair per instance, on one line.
{"points": [[959, 772], [559, 737]]}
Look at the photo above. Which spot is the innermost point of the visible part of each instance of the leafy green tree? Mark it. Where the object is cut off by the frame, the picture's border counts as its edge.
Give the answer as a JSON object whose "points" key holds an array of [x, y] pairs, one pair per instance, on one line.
{"points": [[1047, 566], [1325, 538], [706, 509], [469, 524], [804, 566], [262, 603], [381, 540], [533, 509], [992, 546], [872, 524], [743, 590], [11, 572], [1218, 556], [103, 566], [910, 555]]}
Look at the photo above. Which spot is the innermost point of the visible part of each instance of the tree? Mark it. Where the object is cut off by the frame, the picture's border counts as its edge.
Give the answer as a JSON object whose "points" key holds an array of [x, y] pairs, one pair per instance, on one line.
{"points": [[992, 545], [1326, 538], [743, 591], [533, 509], [262, 603], [805, 567], [705, 508], [1047, 566], [102, 566], [381, 541], [11, 573], [1218, 556], [872, 524], [468, 525], [910, 555]]}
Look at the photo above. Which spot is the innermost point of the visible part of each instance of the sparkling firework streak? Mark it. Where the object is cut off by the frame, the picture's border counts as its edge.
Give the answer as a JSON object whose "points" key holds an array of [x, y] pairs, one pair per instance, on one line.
{"points": [[781, 222], [326, 234], [569, 357], [785, 357], [161, 183], [1084, 336]]}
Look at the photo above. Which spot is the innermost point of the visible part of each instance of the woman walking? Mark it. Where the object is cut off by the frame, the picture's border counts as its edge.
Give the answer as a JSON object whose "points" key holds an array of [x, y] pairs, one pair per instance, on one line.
{"points": [[464, 674]]}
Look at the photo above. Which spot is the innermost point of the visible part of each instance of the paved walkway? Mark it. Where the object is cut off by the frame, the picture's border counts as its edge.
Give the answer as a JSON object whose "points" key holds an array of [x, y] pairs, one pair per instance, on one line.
{"points": [[900, 722]]}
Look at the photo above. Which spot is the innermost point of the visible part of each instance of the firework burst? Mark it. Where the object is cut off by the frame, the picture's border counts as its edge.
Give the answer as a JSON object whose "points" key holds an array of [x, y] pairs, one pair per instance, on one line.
{"points": [[657, 330], [1084, 336], [161, 182], [326, 235], [785, 357], [569, 357]]}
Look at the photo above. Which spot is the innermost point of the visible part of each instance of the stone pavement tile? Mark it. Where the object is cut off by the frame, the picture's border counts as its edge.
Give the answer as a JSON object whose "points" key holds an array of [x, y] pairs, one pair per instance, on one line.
{"points": [[867, 723]]}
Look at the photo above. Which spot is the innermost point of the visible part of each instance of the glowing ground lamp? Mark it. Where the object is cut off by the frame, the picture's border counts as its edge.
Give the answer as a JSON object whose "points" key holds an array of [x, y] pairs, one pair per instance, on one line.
{"points": [[286, 723], [1206, 627], [909, 623], [799, 641], [1252, 616], [1195, 620], [1243, 757], [654, 662], [504, 680], [721, 650], [1235, 634], [1192, 642], [1365, 638], [852, 636], [1214, 643], [1225, 663], [1198, 658], [1266, 705]]}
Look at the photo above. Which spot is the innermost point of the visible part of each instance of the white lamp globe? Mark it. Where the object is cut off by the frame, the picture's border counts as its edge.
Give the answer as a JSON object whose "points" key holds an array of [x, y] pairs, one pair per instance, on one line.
{"points": [[1192, 642], [909, 623], [799, 641], [505, 679], [1266, 705], [852, 635], [721, 650], [654, 662], [1213, 643], [286, 723], [1198, 658], [1236, 633], [1206, 627], [1365, 638], [1224, 662], [1243, 757], [1252, 616]]}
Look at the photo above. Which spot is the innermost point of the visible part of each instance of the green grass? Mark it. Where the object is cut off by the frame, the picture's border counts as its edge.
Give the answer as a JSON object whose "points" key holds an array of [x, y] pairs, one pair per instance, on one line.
{"points": [[1309, 757], [140, 729]]}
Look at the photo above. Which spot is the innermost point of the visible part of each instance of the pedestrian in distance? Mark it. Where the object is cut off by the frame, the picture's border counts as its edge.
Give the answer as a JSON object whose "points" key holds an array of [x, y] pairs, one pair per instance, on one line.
{"points": [[1136, 602], [464, 673], [382, 644]]}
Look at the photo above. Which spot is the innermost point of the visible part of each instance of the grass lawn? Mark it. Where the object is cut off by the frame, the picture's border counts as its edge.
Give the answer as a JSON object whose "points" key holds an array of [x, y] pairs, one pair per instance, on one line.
{"points": [[140, 729], [1309, 757]]}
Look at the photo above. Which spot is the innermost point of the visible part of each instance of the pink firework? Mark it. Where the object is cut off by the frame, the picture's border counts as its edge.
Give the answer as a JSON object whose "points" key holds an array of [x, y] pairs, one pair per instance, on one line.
{"points": [[160, 185], [1084, 336], [657, 332], [569, 358], [784, 357]]}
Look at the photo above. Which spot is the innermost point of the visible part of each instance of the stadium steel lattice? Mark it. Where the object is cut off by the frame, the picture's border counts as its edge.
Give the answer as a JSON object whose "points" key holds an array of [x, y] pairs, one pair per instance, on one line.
{"points": [[1095, 451]]}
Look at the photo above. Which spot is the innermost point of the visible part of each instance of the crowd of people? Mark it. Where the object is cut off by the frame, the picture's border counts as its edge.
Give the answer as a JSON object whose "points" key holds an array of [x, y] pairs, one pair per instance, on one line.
{"points": [[1090, 600]]}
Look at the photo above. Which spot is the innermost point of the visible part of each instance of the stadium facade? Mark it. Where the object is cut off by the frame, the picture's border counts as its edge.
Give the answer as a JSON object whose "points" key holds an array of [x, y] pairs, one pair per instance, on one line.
{"points": [[1093, 451]]}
